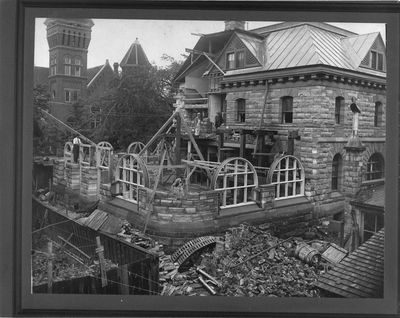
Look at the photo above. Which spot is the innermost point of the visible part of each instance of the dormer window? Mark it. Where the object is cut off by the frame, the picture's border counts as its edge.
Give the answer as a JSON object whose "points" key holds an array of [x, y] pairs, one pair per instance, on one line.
{"points": [[230, 61], [235, 59], [377, 60]]}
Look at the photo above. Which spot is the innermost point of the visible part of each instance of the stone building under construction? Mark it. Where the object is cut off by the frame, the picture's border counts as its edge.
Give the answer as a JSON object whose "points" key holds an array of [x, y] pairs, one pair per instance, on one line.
{"points": [[290, 124]]}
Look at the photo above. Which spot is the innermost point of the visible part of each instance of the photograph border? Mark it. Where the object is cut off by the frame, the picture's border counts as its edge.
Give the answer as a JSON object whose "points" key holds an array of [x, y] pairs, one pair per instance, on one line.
{"points": [[16, 120]]}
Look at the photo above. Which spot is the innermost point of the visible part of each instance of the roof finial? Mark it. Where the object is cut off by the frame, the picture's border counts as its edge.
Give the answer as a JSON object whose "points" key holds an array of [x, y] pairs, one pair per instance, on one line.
{"points": [[137, 41]]}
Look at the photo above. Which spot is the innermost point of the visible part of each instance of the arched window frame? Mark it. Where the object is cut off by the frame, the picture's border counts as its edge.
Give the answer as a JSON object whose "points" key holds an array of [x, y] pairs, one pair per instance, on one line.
{"points": [[131, 175], [235, 178], [375, 169], [287, 184], [339, 110], [241, 110], [286, 109], [337, 172]]}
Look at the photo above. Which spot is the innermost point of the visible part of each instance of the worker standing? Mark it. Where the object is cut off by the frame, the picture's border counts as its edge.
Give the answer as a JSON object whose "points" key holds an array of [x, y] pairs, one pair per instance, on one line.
{"points": [[75, 149]]}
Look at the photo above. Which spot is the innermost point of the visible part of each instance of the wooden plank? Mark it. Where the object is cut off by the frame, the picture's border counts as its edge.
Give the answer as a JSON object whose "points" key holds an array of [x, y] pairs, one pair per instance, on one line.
{"points": [[74, 247], [100, 252], [50, 258]]}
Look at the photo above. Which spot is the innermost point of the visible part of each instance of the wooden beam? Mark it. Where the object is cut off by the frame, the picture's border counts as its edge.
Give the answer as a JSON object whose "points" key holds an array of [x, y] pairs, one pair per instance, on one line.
{"points": [[157, 134], [178, 141], [242, 144], [153, 192], [193, 140]]}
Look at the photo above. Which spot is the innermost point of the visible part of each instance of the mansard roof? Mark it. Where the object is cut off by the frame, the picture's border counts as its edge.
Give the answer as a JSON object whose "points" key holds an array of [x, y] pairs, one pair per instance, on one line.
{"points": [[135, 56]]}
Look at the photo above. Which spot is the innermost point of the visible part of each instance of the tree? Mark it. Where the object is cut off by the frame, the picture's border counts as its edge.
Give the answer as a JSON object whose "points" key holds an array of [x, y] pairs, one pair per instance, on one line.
{"points": [[41, 99], [136, 107]]}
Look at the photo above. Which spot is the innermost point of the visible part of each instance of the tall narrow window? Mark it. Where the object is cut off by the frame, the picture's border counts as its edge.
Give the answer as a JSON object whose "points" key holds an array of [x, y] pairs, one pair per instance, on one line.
{"points": [[240, 59], [375, 167], [77, 67], [67, 65], [378, 114], [287, 109], [241, 110], [377, 60], [373, 59], [230, 61], [339, 110], [337, 172]]}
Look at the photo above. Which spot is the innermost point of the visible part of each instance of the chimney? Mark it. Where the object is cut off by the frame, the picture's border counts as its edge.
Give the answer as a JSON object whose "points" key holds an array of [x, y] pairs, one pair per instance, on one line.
{"points": [[232, 25], [116, 65]]}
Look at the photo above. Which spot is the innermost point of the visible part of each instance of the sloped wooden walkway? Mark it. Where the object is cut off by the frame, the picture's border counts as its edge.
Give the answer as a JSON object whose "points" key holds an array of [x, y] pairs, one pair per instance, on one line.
{"points": [[360, 274]]}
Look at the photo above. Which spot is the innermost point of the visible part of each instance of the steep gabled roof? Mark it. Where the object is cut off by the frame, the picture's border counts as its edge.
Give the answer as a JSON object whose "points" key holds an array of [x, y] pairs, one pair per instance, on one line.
{"points": [[100, 69], [135, 56], [360, 45], [91, 72]]}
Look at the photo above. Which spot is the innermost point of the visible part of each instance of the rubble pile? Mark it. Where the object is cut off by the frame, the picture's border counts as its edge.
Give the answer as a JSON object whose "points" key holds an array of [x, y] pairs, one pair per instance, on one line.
{"points": [[249, 262], [135, 236], [64, 266]]}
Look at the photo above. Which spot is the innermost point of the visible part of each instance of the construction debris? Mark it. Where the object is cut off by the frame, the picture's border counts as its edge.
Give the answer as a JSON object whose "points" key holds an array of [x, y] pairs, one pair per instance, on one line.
{"points": [[251, 262]]}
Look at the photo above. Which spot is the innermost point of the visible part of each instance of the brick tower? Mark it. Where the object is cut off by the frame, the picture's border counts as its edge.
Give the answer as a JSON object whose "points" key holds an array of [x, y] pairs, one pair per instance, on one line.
{"points": [[68, 41]]}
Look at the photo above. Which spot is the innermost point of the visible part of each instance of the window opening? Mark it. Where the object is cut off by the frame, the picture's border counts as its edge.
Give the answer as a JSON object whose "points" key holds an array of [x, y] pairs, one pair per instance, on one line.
{"points": [[377, 60], [375, 167], [337, 164], [230, 61], [378, 114], [339, 110], [131, 175], [235, 179], [287, 109], [241, 110], [240, 59], [372, 224], [287, 174]]}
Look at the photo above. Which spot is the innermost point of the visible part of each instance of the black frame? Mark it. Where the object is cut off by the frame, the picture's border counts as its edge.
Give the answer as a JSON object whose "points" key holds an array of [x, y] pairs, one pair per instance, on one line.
{"points": [[16, 163]]}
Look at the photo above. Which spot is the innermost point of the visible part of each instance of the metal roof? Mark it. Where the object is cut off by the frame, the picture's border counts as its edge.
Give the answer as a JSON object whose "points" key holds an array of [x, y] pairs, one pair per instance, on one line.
{"points": [[360, 274], [305, 45]]}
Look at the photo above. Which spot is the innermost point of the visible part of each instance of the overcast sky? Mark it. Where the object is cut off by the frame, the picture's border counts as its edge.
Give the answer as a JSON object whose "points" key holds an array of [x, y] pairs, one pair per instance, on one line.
{"points": [[112, 38]]}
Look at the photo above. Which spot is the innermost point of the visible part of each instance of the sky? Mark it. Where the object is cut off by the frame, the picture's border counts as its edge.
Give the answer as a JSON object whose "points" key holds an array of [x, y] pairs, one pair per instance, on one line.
{"points": [[112, 38]]}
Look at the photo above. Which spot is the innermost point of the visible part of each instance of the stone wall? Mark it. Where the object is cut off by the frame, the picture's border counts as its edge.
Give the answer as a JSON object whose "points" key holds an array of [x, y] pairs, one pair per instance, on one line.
{"points": [[167, 207], [314, 118], [88, 183]]}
